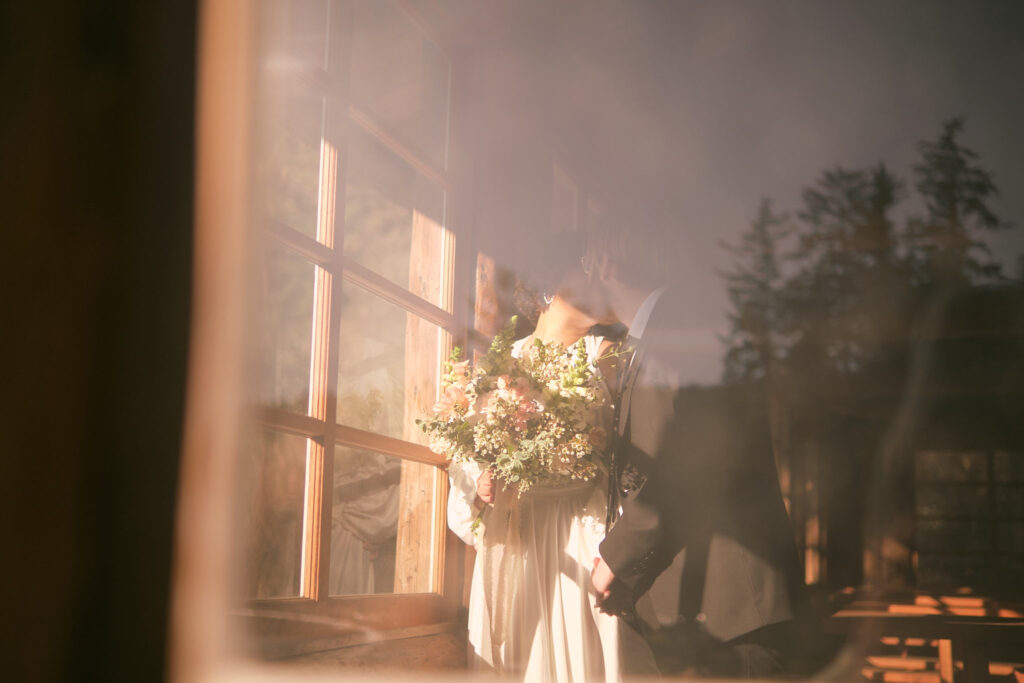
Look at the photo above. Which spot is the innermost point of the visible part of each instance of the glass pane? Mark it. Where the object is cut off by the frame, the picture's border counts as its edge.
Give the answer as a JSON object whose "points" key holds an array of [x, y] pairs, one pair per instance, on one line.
{"points": [[1010, 501], [1009, 466], [365, 522], [393, 218], [291, 111], [286, 290], [401, 78], [272, 474], [296, 30], [952, 536], [940, 500], [1011, 537], [951, 571], [388, 368], [290, 166], [950, 466]]}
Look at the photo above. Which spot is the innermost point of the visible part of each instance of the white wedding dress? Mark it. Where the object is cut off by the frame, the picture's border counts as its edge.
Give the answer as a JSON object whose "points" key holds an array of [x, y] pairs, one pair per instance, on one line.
{"points": [[531, 614]]}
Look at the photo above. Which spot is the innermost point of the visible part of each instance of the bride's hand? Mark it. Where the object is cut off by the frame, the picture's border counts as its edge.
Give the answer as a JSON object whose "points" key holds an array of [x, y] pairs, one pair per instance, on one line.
{"points": [[485, 487]]}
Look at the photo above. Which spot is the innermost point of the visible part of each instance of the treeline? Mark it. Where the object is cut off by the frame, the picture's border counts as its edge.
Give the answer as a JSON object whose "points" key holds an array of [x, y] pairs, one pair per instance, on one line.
{"points": [[881, 328], [832, 288]]}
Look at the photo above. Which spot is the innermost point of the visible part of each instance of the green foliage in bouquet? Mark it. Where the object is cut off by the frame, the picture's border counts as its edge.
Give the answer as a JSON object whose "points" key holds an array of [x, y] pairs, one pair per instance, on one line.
{"points": [[530, 419]]}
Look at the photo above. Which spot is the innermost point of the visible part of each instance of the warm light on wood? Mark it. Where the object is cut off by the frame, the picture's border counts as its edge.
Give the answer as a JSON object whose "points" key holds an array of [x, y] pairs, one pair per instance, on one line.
{"points": [[199, 630], [420, 517]]}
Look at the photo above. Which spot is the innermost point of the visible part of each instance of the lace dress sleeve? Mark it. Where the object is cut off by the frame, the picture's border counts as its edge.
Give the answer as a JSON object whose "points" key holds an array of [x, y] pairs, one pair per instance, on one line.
{"points": [[461, 511]]}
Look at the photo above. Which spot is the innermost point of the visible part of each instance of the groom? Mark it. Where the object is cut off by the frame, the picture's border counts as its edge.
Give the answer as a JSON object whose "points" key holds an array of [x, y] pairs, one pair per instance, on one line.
{"points": [[701, 560]]}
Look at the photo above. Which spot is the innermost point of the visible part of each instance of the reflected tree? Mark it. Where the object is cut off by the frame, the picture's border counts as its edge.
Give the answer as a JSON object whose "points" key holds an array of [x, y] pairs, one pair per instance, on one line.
{"points": [[949, 246], [847, 269], [831, 314], [754, 286]]}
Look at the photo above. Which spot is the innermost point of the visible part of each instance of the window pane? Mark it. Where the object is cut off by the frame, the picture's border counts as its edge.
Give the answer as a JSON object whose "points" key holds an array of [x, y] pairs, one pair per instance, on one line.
{"points": [[393, 218], [291, 108], [1009, 466], [290, 165], [949, 466], [952, 536], [272, 475], [296, 30], [400, 77], [1010, 501], [388, 369], [951, 571], [286, 311], [365, 522], [1011, 537], [942, 500]]}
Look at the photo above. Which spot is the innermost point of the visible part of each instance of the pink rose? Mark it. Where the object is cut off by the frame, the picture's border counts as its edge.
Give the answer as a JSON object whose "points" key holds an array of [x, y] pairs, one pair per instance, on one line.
{"points": [[460, 375], [452, 401]]}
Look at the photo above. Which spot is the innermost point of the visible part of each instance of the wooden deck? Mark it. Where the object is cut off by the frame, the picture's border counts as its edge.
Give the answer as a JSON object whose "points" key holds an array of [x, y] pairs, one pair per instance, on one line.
{"points": [[927, 638]]}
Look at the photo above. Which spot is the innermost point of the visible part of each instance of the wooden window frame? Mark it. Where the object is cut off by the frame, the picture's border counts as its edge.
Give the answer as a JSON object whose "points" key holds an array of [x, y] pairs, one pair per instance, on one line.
{"points": [[394, 613]]}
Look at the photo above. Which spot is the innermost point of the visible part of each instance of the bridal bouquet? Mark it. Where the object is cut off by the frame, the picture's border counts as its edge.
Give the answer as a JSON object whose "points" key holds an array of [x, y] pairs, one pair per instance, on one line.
{"points": [[530, 419]]}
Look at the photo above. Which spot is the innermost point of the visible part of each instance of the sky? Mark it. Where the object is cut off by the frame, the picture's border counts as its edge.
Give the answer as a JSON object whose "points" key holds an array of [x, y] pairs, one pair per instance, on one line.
{"points": [[719, 104]]}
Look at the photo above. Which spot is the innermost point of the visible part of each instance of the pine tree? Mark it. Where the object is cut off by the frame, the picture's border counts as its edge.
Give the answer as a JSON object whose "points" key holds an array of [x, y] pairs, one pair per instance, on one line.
{"points": [[949, 240], [847, 263], [754, 292]]}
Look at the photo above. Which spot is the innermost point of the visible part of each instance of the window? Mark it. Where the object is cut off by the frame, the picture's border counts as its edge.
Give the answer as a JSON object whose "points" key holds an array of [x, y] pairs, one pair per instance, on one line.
{"points": [[970, 521], [352, 289]]}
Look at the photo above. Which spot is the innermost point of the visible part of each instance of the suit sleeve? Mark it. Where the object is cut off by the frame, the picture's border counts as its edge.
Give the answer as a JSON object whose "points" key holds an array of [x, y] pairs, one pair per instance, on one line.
{"points": [[635, 545]]}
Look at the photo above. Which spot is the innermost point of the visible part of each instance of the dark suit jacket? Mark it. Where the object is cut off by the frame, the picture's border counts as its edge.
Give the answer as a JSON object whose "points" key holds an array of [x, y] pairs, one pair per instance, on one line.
{"points": [[705, 544]]}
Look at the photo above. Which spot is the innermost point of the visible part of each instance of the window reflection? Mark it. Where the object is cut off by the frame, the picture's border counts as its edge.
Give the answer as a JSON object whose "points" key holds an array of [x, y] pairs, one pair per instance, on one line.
{"points": [[388, 365], [393, 216], [364, 522], [272, 475], [291, 171], [293, 104], [401, 78], [970, 522], [286, 283], [298, 31]]}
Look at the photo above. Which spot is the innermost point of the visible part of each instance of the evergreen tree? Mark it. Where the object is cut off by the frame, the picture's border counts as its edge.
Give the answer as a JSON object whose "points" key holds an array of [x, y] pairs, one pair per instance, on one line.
{"points": [[754, 292], [949, 245], [846, 257], [827, 280]]}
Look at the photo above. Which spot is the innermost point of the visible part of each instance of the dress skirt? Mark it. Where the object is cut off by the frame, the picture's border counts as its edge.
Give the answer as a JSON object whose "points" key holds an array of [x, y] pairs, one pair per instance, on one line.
{"points": [[532, 616]]}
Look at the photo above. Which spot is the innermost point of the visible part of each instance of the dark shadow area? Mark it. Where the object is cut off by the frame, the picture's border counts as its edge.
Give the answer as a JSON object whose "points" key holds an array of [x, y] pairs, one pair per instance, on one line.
{"points": [[96, 156]]}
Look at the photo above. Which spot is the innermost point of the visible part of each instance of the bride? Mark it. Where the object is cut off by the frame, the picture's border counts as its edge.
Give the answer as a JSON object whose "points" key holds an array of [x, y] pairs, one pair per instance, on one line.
{"points": [[531, 614]]}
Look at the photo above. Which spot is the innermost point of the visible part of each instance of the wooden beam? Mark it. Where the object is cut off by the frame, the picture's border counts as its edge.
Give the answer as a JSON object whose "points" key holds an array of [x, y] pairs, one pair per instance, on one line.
{"points": [[296, 644], [292, 423], [946, 660], [420, 554], [388, 445], [432, 32], [356, 613], [403, 149], [303, 245], [396, 294]]}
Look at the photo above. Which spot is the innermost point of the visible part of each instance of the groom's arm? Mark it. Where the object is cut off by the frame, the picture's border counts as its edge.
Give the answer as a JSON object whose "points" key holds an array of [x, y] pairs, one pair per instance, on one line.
{"points": [[633, 548], [612, 598]]}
